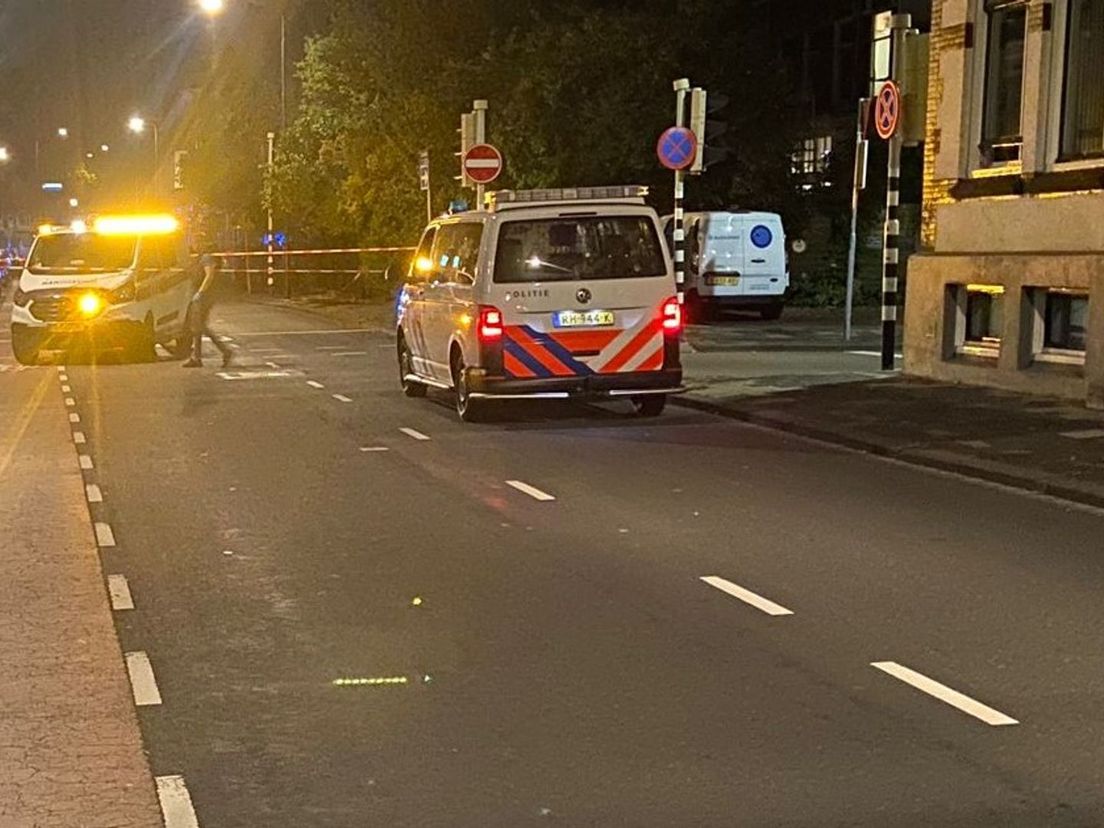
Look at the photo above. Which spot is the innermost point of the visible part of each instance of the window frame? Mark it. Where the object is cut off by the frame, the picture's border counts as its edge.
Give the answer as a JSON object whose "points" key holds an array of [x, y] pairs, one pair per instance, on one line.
{"points": [[984, 26], [1063, 29]]}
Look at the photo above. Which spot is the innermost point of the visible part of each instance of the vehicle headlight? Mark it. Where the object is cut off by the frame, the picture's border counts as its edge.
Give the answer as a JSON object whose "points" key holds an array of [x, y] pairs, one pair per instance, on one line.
{"points": [[124, 293], [90, 304]]}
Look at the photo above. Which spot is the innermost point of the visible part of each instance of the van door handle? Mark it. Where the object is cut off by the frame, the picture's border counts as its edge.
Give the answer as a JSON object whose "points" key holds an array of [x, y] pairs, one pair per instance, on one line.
{"points": [[758, 261]]}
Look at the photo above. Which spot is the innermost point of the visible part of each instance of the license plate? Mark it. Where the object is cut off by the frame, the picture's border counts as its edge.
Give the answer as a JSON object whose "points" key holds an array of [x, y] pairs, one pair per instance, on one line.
{"points": [[582, 319], [726, 281]]}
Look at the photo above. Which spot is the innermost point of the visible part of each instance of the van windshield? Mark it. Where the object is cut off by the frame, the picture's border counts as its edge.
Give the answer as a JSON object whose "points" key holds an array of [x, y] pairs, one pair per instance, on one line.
{"points": [[82, 253], [566, 249]]}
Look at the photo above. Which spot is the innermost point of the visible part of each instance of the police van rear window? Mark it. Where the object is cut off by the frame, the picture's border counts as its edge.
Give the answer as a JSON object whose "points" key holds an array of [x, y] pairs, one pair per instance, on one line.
{"points": [[571, 248]]}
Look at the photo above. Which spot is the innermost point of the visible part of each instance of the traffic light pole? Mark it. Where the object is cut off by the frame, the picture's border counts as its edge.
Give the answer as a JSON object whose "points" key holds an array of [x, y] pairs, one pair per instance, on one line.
{"points": [[858, 184], [892, 237], [682, 86]]}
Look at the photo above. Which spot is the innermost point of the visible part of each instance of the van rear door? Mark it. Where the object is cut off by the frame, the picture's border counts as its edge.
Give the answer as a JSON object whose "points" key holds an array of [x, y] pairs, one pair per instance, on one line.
{"points": [[764, 254], [581, 293]]}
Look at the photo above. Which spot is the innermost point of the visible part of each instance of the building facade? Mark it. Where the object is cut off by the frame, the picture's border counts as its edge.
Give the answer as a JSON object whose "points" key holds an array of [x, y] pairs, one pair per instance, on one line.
{"points": [[1008, 290]]}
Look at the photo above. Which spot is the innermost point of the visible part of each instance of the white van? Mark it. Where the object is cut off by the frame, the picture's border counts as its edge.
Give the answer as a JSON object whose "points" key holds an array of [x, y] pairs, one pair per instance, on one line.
{"points": [[126, 282], [546, 294], [734, 260]]}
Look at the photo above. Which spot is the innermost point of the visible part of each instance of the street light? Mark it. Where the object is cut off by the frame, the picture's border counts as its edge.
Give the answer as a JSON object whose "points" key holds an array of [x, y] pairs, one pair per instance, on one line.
{"points": [[137, 124], [104, 147], [5, 155], [212, 7], [63, 132]]}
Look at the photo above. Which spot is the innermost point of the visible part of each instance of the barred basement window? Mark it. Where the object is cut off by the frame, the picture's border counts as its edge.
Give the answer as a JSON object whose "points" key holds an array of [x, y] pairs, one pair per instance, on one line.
{"points": [[1001, 132], [1083, 99]]}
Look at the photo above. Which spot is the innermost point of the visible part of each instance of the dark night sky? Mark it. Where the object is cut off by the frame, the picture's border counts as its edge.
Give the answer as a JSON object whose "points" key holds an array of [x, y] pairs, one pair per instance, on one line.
{"points": [[89, 64]]}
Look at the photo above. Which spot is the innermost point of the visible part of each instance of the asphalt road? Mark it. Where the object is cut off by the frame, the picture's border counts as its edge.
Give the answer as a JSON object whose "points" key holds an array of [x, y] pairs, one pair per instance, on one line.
{"points": [[349, 625]]}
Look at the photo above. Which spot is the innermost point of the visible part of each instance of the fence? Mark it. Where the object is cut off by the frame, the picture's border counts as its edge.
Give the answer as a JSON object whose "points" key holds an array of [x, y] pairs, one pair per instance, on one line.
{"points": [[357, 272]]}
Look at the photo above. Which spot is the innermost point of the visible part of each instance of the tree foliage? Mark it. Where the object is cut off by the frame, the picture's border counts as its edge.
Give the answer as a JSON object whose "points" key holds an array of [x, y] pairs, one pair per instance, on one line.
{"points": [[579, 92]]}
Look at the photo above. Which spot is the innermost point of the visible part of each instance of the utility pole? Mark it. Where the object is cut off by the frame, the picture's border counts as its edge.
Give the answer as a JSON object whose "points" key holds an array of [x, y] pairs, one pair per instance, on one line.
{"points": [[424, 182], [283, 72], [681, 86], [900, 24], [479, 112], [271, 163], [858, 184]]}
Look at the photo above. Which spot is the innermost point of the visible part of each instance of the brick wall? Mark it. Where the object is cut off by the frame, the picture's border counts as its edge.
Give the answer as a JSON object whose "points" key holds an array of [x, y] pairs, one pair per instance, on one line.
{"points": [[936, 190]]}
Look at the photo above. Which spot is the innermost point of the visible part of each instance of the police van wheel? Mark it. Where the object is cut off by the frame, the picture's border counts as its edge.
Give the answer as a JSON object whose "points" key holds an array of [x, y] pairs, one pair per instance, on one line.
{"points": [[24, 347], [406, 369], [650, 405], [469, 410], [144, 345]]}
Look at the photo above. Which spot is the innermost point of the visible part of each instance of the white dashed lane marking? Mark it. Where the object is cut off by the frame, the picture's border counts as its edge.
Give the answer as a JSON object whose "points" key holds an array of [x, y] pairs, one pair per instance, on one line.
{"points": [[70, 402], [331, 347], [342, 398], [105, 537], [1087, 434], [746, 595], [944, 693], [315, 384], [79, 438], [374, 448], [93, 493], [74, 417], [414, 434], [349, 353], [176, 802], [65, 389], [85, 461], [142, 682], [119, 590], [532, 491]]}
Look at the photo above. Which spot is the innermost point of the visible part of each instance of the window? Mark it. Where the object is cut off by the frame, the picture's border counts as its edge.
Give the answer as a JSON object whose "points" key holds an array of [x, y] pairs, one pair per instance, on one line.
{"points": [[1065, 320], [456, 252], [1001, 133], [983, 320], [1083, 96], [422, 265], [565, 249], [812, 156]]}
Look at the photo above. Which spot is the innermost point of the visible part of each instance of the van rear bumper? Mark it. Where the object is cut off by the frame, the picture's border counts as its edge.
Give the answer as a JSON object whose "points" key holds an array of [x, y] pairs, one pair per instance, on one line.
{"points": [[594, 386]]}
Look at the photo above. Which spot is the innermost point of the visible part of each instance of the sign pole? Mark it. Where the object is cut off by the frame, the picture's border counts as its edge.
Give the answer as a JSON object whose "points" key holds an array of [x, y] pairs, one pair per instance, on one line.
{"points": [[479, 109], [682, 86], [892, 236], [859, 183], [271, 160]]}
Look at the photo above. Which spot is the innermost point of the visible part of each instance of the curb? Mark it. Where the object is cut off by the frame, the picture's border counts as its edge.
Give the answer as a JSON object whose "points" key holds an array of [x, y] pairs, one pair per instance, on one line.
{"points": [[1009, 479]]}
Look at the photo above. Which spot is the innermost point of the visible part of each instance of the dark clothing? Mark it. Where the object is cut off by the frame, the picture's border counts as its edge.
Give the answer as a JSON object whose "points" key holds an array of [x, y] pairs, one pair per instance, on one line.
{"points": [[201, 316]]}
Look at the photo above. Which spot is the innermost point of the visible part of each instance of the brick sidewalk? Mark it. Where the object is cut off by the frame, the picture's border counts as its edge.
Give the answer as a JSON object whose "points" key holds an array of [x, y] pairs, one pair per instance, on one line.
{"points": [[1035, 443], [70, 750]]}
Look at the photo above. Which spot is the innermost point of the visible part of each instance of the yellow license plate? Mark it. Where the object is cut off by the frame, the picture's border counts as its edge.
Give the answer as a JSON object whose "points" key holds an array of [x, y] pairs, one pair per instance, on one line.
{"points": [[726, 281], [582, 319]]}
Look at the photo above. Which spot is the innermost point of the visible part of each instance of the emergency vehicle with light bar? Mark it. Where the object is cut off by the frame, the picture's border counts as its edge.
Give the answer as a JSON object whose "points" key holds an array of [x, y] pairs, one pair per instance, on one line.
{"points": [[545, 294], [123, 283]]}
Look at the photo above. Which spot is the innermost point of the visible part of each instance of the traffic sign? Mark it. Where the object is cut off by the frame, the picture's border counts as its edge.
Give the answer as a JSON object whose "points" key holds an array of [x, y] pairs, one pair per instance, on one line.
{"points": [[677, 148], [482, 163], [887, 111]]}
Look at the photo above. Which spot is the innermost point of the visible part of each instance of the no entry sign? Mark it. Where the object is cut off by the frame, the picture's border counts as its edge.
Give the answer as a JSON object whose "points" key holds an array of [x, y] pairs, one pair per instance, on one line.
{"points": [[483, 163], [677, 147]]}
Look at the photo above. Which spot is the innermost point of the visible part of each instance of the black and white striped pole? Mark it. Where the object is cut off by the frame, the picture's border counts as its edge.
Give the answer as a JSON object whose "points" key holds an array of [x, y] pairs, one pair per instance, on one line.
{"points": [[891, 249], [678, 236]]}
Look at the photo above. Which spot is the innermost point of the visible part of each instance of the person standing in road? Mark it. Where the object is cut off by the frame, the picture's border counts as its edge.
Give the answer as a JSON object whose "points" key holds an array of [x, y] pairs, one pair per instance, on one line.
{"points": [[202, 304]]}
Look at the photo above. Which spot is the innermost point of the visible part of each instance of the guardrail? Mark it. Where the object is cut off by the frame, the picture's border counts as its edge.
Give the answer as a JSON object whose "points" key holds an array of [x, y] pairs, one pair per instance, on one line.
{"points": [[263, 270]]}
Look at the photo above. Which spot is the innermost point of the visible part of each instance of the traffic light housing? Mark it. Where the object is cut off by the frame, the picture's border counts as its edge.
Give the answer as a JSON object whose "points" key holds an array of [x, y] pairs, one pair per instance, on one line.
{"points": [[707, 129]]}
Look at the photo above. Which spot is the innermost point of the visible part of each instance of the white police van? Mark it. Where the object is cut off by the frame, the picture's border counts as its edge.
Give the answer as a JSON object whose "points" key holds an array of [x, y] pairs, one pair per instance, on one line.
{"points": [[734, 261], [126, 283], [545, 294]]}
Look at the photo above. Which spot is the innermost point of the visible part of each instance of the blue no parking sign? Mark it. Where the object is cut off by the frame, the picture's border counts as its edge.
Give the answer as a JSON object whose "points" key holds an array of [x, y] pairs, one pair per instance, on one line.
{"points": [[677, 148]]}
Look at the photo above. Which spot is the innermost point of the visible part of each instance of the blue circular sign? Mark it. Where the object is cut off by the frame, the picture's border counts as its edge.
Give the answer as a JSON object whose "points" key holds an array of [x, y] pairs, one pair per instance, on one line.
{"points": [[761, 236], [677, 148]]}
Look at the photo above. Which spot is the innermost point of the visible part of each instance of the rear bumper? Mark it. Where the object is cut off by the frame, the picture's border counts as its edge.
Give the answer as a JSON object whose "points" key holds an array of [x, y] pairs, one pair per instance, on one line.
{"points": [[595, 386]]}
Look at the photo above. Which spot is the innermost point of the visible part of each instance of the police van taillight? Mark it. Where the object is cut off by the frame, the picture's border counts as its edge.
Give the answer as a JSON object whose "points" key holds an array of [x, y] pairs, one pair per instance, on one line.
{"points": [[672, 317], [490, 324]]}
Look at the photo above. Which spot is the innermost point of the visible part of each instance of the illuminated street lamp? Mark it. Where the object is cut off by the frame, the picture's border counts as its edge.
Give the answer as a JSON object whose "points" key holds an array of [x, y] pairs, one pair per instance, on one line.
{"points": [[63, 132], [104, 147], [212, 7], [5, 155], [74, 203]]}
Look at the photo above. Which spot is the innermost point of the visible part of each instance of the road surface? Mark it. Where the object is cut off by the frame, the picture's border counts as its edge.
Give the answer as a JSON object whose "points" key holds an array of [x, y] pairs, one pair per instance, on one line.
{"points": [[358, 611]]}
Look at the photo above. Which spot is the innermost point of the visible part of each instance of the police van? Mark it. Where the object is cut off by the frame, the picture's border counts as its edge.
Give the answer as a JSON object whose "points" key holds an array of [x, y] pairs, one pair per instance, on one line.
{"points": [[124, 283], [734, 261], [545, 294]]}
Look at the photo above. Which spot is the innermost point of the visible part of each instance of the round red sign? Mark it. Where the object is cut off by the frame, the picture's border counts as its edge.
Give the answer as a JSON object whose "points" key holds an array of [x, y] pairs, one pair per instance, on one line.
{"points": [[887, 111], [482, 163]]}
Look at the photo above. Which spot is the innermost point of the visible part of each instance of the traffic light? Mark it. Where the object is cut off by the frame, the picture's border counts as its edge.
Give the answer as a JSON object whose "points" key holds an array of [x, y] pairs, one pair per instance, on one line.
{"points": [[707, 130]]}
